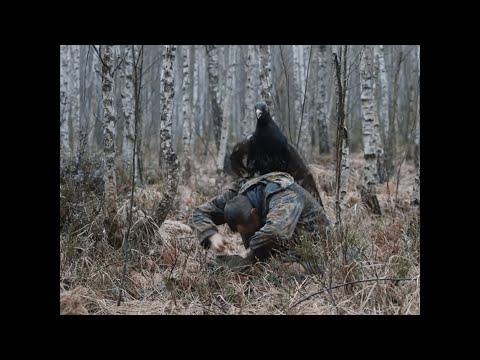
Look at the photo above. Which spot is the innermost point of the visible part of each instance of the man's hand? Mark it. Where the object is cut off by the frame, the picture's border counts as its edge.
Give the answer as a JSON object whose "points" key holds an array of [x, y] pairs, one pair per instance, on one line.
{"points": [[218, 243]]}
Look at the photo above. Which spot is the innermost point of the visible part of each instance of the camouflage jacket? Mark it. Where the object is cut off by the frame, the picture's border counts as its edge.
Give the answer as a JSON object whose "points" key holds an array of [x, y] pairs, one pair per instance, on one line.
{"points": [[285, 208]]}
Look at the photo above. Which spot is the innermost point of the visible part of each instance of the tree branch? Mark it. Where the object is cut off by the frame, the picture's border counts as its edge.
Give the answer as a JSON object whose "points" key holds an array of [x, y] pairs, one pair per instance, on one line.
{"points": [[98, 54], [304, 96], [124, 272], [345, 284], [285, 70]]}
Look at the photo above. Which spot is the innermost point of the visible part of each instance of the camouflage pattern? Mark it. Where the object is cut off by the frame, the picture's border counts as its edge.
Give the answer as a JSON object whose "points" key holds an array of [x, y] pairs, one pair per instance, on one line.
{"points": [[294, 165], [288, 210]]}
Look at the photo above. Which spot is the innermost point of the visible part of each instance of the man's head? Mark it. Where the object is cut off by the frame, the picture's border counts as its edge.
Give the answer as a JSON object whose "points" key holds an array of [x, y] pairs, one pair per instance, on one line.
{"points": [[241, 216]]}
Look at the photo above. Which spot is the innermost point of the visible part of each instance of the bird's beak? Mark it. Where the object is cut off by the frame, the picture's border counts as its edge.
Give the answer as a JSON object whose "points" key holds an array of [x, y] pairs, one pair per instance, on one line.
{"points": [[259, 113]]}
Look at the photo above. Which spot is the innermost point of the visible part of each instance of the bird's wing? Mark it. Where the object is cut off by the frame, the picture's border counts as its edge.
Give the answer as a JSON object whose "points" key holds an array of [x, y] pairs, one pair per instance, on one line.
{"points": [[238, 157], [301, 173]]}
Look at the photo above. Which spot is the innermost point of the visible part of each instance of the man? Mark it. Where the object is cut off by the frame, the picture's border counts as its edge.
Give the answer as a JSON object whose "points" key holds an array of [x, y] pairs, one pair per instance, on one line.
{"points": [[269, 211]]}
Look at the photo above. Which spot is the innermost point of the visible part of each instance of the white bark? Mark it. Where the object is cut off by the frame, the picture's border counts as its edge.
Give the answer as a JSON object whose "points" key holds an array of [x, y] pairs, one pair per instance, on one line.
{"points": [[109, 134], [302, 66], [342, 146], [203, 89], [379, 54], [416, 186], [297, 85], [93, 81], [247, 123], [371, 139], [64, 100], [212, 53], [128, 105], [266, 78], [417, 130], [345, 167], [322, 104], [165, 203], [191, 91], [187, 115], [306, 131], [75, 95], [227, 112], [138, 54]]}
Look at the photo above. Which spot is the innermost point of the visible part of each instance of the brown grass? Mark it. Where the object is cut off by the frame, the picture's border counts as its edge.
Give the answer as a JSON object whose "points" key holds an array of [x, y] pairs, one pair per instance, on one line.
{"points": [[168, 272]]}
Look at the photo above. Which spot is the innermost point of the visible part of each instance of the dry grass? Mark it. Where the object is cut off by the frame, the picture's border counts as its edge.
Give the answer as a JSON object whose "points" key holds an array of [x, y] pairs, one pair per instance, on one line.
{"points": [[168, 272]]}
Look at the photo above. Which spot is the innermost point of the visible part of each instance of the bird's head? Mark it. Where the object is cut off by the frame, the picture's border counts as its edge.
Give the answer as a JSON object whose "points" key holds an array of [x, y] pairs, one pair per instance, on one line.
{"points": [[261, 111]]}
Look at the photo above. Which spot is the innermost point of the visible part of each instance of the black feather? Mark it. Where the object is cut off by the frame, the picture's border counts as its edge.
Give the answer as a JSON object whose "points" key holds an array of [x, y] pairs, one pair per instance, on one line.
{"points": [[268, 150]]}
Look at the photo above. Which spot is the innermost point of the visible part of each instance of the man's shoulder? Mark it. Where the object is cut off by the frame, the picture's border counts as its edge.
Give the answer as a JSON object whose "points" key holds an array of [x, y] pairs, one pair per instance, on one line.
{"points": [[281, 179]]}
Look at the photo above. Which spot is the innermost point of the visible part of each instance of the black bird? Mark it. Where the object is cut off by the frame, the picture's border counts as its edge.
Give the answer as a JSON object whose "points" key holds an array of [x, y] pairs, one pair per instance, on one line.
{"points": [[267, 150]]}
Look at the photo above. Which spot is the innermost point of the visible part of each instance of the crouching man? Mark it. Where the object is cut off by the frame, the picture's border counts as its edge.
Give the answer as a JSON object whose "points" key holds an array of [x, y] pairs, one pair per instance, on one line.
{"points": [[270, 212]]}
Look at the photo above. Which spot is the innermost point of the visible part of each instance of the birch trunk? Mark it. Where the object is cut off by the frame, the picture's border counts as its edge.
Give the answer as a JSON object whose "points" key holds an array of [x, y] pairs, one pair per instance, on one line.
{"points": [[94, 105], [371, 139], [322, 104], [187, 115], [165, 203], [416, 186], [345, 163], [227, 113], [297, 86], [128, 102], [214, 91], [417, 123], [64, 101], [305, 127], [191, 69], [345, 166], [196, 97], [342, 148], [137, 55], [266, 78], [250, 93], [109, 122], [75, 96], [379, 54], [392, 128]]}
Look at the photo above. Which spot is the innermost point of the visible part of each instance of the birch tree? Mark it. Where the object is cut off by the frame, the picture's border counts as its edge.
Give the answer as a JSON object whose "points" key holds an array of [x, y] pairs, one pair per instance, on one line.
{"points": [[187, 114], [297, 83], [416, 186], [250, 92], [417, 128], [304, 131], [128, 102], [166, 201], [379, 54], [227, 112], [339, 55], [266, 78], [64, 102], [74, 92], [95, 93], [322, 104], [392, 127], [109, 122], [214, 91], [372, 147]]}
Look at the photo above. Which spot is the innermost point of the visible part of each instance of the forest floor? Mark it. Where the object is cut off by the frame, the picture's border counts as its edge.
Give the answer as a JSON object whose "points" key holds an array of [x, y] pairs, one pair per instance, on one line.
{"points": [[167, 271]]}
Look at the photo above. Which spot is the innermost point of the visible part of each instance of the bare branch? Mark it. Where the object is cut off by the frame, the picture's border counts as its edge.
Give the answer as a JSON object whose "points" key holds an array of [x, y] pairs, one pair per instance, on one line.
{"points": [[304, 96], [345, 284], [98, 54]]}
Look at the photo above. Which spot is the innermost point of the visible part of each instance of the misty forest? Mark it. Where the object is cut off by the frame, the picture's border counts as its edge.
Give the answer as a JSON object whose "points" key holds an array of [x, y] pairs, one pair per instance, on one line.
{"points": [[146, 136]]}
